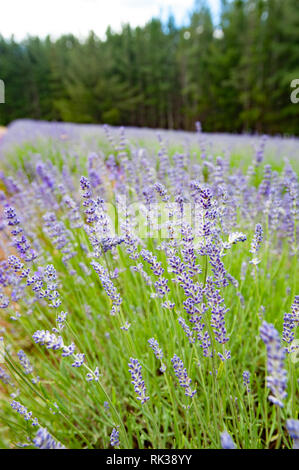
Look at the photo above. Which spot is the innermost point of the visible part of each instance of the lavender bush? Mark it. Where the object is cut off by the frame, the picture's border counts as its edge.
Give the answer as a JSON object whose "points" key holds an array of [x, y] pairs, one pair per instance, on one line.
{"points": [[148, 289]]}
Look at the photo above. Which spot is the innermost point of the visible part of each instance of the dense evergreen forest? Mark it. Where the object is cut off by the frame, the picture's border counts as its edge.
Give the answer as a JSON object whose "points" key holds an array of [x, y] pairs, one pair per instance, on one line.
{"points": [[233, 77]]}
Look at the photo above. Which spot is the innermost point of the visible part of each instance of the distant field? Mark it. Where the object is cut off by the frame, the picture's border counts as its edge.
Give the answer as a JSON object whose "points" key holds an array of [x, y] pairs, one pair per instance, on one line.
{"points": [[53, 137]]}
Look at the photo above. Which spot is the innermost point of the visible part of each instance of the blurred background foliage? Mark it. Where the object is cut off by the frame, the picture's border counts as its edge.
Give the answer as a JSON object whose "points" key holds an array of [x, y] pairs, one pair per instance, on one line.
{"points": [[233, 78]]}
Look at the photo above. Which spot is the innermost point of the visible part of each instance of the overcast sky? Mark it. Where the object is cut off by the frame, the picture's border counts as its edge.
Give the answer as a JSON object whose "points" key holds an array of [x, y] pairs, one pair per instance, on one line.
{"points": [[56, 17]]}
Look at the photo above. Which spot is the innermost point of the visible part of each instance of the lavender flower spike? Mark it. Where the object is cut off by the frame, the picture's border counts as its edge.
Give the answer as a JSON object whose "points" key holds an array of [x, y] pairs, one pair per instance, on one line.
{"points": [[25, 363], [4, 377], [114, 438], [137, 380], [155, 347], [22, 410], [293, 428], [257, 239], [158, 352], [44, 440], [277, 375], [44, 337], [246, 380], [290, 323], [226, 441], [181, 374]]}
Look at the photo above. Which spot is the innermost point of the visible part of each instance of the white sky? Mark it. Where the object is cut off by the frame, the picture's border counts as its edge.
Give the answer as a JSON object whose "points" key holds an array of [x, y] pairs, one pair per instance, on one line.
{"points": [[56, 17]]}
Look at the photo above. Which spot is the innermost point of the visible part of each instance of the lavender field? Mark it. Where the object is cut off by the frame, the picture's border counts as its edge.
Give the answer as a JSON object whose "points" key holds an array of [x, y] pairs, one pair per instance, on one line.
{"points": [[149, 294]]}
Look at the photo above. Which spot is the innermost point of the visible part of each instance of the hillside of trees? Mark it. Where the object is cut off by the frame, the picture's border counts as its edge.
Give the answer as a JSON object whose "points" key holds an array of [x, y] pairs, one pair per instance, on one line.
{"points": [[233, 78]]}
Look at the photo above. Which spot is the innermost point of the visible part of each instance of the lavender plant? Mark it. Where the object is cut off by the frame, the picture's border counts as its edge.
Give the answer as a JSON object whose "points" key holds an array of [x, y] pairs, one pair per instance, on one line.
{"points": [[144, 282]]}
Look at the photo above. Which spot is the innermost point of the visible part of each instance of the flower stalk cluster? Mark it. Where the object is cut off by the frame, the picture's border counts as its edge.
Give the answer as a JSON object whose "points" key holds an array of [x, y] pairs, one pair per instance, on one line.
{"points": [[276, 374]]}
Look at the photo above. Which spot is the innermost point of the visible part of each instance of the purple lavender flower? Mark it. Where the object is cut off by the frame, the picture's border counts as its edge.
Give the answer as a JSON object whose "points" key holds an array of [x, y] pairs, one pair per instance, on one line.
{"points": [[188, 251], [68, 350], [156, 266], [25, 363], [108, 286], [265, 186], [96, 374], [277, 375], [15, 263], [198, 126], [12, 218], [205, 195], [4, 377], [158, 352], [155, 347], [4, 301], [78, 360], [45, 172], [260, 151], [225, 356], [290, 323], [257, 239], [90, 376], [194, 308], [167, 304], [59, 235], [214, 254], [293, 428], [108, 243], [114, 438], [176, 265], [88, 202], [61, 318], [182, 375], [138, 382], [50, 340], [226, 441], [44, 440], [234, 238], [161, 190], [20, 242], [187, 330], [50, 274], [218, 309], [73, 212], [23, 411], [131, 242], [246, 380], [161, 286]]}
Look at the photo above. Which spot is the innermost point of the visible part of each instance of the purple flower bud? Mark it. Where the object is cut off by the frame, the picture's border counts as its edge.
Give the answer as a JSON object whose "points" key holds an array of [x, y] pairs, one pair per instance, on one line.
{"points": [[114, 438], [226, 441], [290, 323], [277, 375], [182, 375], [246, 380], [137, 380], [293, 428], [257, 239], [25, 363], [44, 440]]}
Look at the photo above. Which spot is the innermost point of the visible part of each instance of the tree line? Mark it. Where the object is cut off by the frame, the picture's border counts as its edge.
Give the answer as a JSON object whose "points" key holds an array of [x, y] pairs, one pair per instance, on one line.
{"points": [[233, 78]]}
